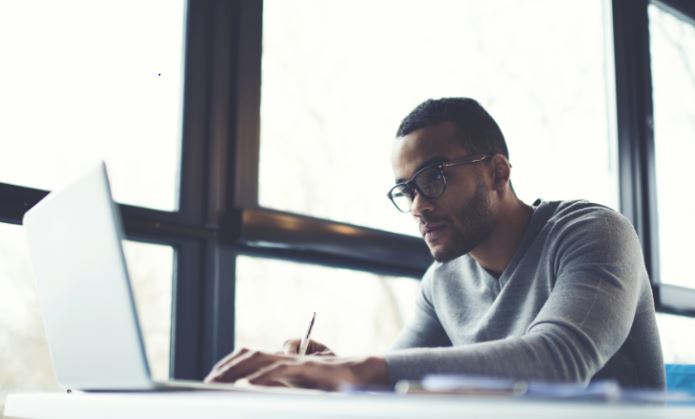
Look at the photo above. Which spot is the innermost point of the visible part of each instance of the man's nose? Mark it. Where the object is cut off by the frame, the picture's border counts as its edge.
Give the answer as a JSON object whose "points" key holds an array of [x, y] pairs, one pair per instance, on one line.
{"points": [[420, 205]]}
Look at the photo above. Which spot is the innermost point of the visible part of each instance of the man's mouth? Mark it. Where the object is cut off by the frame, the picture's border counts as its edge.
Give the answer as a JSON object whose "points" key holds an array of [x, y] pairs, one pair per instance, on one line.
{"points": [[432, 231]]}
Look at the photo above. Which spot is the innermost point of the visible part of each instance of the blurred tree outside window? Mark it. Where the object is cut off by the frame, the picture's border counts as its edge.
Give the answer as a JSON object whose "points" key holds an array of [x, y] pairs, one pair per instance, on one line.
{"points": [[336, 82], [356, 312]]}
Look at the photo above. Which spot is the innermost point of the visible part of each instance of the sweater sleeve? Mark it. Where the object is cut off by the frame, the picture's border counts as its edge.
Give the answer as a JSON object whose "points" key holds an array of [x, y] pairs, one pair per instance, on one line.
{"points": [[425, 330], [585, 320]]}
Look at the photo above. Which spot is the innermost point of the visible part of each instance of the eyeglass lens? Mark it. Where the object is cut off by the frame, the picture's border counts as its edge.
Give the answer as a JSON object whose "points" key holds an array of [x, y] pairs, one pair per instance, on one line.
{"points": [[429, 182]]}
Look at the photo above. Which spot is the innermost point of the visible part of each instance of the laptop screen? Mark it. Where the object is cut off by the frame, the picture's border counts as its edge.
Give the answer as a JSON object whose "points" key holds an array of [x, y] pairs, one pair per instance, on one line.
{"points": [[89, 315]]}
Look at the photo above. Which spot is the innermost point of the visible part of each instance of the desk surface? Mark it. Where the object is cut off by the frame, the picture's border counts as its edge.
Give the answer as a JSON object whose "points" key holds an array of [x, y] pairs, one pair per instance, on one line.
{"points": [[213, 405]]}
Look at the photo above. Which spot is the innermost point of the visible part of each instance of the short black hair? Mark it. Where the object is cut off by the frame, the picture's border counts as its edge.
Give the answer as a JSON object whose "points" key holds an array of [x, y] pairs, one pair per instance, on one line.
{"points": [[479, 131]]}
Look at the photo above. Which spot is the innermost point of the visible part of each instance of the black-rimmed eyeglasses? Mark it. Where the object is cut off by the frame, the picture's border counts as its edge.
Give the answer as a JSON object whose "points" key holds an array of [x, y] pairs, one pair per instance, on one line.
{"points": [[430, 182]]}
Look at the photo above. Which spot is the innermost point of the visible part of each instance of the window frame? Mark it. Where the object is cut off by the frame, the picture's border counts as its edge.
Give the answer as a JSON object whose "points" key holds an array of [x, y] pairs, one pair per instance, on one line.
{"points": [[219, 216], [635, 119]]}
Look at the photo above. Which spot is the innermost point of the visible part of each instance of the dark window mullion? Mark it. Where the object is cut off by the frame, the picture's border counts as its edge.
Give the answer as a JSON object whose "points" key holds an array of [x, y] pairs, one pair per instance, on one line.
{"points": [[196, 109], [16, 200], [188, 312], [285, 235], [676, 300], [186, 335], [232, 146], [635, 125], [248, 104], [684, 9], [218, 331]]}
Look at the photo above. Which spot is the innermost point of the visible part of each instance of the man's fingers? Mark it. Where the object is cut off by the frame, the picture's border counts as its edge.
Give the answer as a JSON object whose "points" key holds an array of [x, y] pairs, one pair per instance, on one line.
{"points": [[218, 367], [230, 358], [274, 374], [318, 348], [221, 372], [291, 346], [277, 383], [239, 367], [306, 374], [242, 365]]}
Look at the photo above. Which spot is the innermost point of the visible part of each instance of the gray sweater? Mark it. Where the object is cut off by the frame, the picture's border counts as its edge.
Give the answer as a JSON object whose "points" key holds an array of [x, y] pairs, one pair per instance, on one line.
{"points": [[574, 305]]}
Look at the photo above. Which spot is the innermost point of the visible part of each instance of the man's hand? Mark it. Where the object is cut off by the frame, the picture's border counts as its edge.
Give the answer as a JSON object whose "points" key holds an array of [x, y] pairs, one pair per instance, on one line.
{"points": [[241, 363], [291, 346], [318, 372]]}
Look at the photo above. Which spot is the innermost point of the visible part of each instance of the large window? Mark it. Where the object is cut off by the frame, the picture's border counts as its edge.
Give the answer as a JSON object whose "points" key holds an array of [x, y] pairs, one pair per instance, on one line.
{"points": [[336, 82], [673, 79], [83, 81]]}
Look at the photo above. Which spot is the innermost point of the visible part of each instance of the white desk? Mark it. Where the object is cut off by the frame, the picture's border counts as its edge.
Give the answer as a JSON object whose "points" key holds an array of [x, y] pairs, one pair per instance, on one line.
{"points": [[213, 405]]}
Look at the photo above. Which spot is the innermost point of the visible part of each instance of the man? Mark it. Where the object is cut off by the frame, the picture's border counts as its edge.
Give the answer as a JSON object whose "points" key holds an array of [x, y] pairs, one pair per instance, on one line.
{"points": [[556, 291]]}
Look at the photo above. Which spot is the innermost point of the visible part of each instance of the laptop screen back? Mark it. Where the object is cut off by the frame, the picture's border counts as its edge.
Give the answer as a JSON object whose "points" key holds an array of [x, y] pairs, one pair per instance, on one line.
{"points": [[90, 320]]}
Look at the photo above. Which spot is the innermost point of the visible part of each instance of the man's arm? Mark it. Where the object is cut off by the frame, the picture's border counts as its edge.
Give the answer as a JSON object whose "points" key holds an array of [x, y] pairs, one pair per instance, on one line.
{"points": [[425, 329], [582, 325]]}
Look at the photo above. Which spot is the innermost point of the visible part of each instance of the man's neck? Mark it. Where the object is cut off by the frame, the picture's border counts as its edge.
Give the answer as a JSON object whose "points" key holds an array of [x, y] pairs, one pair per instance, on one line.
{"points": [[495, 253]]}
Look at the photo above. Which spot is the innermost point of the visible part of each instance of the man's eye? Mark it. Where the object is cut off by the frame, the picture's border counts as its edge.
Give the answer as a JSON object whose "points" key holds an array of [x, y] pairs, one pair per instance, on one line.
{"points": [[429, 176], [400, 192]]}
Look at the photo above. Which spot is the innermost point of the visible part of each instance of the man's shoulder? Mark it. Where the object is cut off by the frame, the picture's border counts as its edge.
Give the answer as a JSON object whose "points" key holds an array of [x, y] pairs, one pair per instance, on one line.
{"points": [[570, 213], [580, 222]]}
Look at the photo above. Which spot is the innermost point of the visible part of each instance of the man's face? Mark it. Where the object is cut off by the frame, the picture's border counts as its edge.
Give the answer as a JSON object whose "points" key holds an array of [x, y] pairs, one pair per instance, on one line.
{"points": [[462, 217]]}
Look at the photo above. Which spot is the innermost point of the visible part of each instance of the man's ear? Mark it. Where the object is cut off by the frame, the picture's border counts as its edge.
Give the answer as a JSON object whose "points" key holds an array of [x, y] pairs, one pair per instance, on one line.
{"points": [[501, 170]]}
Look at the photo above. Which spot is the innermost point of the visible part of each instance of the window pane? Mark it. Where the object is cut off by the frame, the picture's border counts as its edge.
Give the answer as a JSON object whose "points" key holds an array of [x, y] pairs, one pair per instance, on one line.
{"points": [[151, 269], [356, 312], [24, 356], [85, 80], [337, 82], [677, 338], [673, 80], [26, 364]]}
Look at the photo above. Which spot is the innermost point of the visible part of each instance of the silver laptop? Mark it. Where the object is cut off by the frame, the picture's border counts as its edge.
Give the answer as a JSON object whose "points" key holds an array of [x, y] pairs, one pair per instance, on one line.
{"points": [[87, 304]]}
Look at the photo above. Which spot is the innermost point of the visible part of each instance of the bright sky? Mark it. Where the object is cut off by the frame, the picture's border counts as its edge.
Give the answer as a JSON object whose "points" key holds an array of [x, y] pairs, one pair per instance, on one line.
{"points": [[88, 81]]}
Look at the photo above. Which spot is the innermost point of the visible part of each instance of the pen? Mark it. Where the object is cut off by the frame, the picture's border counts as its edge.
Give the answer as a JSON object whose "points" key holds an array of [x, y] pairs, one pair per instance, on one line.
{"points": [[304, 343]]}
